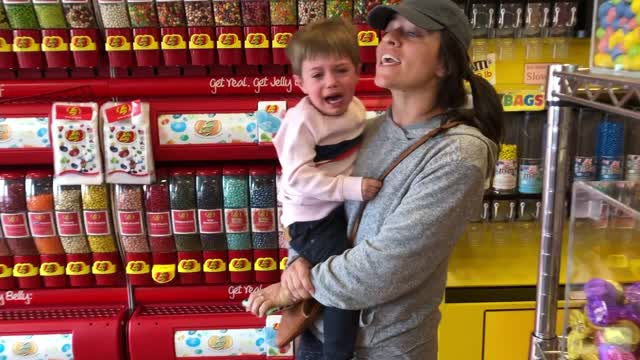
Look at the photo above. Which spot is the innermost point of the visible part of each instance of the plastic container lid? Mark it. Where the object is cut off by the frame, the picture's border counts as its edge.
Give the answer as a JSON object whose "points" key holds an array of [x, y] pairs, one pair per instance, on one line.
{"points": [[182, 172], [12, 175], [39, 174], [257, 170], [235, 170], [209, 171]]}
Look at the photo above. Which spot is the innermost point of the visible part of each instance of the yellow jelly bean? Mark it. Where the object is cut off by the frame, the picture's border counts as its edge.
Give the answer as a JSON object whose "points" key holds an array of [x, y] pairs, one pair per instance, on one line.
{"points": [[616, 38], [603, 60], [635, 6]]}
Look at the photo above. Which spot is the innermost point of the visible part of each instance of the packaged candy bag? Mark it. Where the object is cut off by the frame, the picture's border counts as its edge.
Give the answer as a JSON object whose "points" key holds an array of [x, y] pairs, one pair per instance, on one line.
{"points": [[76, 143], [127, 143]]}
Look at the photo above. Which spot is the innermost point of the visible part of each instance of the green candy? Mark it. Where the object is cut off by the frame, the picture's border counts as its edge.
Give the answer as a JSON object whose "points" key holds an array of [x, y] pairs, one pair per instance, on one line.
{"points": [[600, 33], [634, 51], [50, 16], [22, 16]]}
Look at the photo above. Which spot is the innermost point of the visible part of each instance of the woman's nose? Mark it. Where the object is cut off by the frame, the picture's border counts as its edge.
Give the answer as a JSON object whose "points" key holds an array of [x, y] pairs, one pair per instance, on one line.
{"points": [[391, 38]]}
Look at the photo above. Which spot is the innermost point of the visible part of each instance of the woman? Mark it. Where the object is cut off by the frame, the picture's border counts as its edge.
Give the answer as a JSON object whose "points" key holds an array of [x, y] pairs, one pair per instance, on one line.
{"points": [[396, 272]]}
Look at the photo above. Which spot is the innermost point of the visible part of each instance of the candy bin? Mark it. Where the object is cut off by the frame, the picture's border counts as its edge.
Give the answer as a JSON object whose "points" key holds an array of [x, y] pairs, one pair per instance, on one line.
{"points": [[264, 232], [68, 210], [115, 19], [482, 16], [130, 210], [235, 185], [340, 9], [211, 224], [563, 21], [200, 21], [632, 161], [97, 223], [55, 37], [228, 31], [7, 56], [7, 280], [146, 35], [185, 228], [283, 241], [83, 31], [171, 16], [310, 11], [616, 37], [283, 24], [26, 34], [610, 148], [509, 20], [39, 189], [13, 217], [537, 17], [162, 244], [255, 19], [368, 38]]}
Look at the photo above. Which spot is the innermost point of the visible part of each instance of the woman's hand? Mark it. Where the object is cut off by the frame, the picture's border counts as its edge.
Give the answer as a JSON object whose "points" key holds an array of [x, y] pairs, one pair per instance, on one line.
{"points": [[297, 279], [272, 297]]}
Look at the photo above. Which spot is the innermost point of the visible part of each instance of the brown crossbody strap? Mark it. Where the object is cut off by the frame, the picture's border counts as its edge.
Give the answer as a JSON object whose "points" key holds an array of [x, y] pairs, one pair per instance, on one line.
{"points": [[448, 125]]}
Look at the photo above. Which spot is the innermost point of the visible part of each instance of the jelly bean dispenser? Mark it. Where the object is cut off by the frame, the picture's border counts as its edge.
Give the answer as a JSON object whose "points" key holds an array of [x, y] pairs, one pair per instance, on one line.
{"points": [[146, 34], [284, 23], [211, 225], [173, 23], [228, 31], [7, 56], [55, 36], [159, 227], [199, 15], [83, 29], [118, 35], [15, 226], [185, 225], [40, 206], [255, 21], [615, 46], [235, 182], [27, 38]]}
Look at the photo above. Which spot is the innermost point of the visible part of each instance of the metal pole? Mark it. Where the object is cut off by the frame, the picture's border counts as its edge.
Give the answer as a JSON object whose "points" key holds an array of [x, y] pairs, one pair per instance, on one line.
{"points": [[544, 341]]}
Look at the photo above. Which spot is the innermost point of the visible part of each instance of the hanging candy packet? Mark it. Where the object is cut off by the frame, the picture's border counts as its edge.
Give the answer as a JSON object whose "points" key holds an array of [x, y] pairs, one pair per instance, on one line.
{"points": [[127, 143], [76, 143]]}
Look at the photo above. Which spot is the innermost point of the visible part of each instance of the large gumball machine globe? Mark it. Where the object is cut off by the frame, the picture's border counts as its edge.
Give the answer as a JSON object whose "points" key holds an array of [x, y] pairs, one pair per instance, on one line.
{"points": [[615, 45]]}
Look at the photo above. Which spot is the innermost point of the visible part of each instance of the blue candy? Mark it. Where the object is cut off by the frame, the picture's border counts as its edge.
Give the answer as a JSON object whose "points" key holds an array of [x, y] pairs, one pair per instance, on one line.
{"points": [[621, 8], [604, 9], [628, 12]]}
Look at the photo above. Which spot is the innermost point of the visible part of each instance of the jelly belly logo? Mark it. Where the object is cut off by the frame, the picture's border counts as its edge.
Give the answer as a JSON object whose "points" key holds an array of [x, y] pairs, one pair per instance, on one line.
{"points": [[272, 109], [283, 263], [74, 112], [53, 43], [51, 269], [24, 270], [200, 41], [240, 265], [163, 273], [215, 265], [75, 268], [126, 137], [105, 267], [5, 271], [144, 42], [228, 41], [74, 136], [24, 44], [220, 343], [281, 40], [117, 43], [208, 128], [236, 220], [265, 264], [368, 38], [173, 41], [256, 41], [263, 220], [25, 349], [189, 266], [82, 43], [123, 111], [137, 268], [5, 132]]}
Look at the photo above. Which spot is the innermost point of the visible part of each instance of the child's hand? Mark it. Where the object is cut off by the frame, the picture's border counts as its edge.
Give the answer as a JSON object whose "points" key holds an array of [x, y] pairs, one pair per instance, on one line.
{"points": [[370, 188], [273, 296]]}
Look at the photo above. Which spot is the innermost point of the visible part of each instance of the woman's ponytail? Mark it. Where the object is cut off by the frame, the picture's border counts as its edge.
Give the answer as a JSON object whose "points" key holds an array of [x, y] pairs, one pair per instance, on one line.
{"points": [[487, 108]]}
